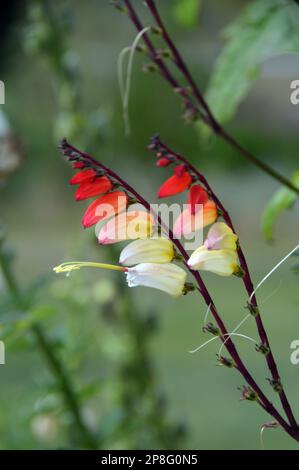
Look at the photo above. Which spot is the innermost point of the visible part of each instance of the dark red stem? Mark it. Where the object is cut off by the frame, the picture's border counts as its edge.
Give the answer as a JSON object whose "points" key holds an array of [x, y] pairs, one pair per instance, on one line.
{"points": [[73, 153], [202, 107], [246, 279]]}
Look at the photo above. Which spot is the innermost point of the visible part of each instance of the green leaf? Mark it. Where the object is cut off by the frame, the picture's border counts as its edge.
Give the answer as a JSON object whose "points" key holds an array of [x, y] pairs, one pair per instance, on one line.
{"points": [[282, 200], [264, 29], [186, 12]]}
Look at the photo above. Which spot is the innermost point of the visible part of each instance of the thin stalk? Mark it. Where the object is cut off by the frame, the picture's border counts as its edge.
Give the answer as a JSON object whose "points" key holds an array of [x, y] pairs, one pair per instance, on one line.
{"points": [[246, 278], [201, 106], [73, 153], [56, 366]]}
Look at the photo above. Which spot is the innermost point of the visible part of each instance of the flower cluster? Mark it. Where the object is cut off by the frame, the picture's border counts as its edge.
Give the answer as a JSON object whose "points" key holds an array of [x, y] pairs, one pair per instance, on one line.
{"points": [[218, 254], [149, 260]]}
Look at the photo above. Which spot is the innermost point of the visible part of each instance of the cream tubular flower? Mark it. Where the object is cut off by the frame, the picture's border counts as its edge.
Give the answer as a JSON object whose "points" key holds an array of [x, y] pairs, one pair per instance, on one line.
{"points": [[218, 254], [221, 262], [221, 237], [153, 250], [127, 226], [167, 277]]}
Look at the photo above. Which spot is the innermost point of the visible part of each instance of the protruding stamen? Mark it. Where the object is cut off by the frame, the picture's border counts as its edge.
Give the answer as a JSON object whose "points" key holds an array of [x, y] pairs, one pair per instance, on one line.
{"points": [[75, 265]]}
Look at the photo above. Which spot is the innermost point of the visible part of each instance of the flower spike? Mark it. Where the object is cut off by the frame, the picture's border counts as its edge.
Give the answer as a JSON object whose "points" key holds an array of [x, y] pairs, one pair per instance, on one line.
{"points": [[90, 189]]}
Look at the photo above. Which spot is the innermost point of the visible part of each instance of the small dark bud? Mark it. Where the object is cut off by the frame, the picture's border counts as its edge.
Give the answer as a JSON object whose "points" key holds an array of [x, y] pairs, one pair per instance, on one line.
{"points": [[262, 348], [210, 328], [276, 385], [149, 68], [238, 272], [190, 115], [253, 309], [226, 361], [178, 257], [132, 201], [164, 54], [156, 30], [154, 143], [248, 394], [141, 48], [183, 91]]}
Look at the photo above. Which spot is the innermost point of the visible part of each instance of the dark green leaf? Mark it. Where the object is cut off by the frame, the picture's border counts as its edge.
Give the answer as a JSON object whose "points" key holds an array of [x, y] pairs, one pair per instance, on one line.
{"points": [[186, 12], [265, 28]]}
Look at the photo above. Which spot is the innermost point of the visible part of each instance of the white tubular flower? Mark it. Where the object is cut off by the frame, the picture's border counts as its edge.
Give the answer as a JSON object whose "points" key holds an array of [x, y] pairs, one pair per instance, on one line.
{"points": [[218, 254], [167, 277], [221, 262], [154, 250]]}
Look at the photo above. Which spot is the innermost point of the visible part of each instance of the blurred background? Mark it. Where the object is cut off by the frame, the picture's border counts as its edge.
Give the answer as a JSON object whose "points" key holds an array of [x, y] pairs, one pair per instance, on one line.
{"points": [[125, 352]]}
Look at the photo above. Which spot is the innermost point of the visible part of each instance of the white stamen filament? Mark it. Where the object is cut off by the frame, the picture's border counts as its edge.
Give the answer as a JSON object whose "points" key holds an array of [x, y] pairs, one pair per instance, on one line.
{"points": [[272, 271], [217, 337]]}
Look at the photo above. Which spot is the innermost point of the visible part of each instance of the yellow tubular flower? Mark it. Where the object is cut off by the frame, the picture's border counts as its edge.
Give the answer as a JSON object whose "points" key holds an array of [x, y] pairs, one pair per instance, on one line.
{"points": [[154, 250], [221, 262], [218, 254], [129, 225], [221, 237]]}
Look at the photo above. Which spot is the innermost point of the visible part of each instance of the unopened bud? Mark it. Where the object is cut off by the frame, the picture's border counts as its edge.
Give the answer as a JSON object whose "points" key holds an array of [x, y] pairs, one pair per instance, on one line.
{"points": [[248, 393], [226, 361], [118, 4], [253, 309], [156, 30], [189, 287], [238, 272], [262, 348], [149, 68], [276, 385]]}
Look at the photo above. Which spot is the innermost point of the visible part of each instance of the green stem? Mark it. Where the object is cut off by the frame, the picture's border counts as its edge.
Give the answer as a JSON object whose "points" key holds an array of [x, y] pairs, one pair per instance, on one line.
{"points": [[55, 364]]}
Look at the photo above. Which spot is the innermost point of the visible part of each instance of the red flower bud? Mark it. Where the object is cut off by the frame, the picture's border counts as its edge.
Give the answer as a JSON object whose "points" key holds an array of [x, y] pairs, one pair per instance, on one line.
{"points": [[89, 189], [175, 185], [104, 207], [197, 195], [83, 177], [164, 161], [179, 170], [78, 165]]}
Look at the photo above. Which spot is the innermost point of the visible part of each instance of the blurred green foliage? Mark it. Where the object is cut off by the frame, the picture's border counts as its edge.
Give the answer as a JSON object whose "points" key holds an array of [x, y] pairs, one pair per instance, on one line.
{"points": [[90, 327], [187, 12], [133, 414]]}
